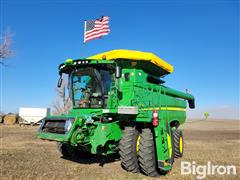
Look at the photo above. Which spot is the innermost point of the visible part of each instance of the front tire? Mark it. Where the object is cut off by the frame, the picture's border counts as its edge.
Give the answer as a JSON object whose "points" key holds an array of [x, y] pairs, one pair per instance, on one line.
{"points": [[63, 149], [69, 152], [128, 149], [147, 155]]}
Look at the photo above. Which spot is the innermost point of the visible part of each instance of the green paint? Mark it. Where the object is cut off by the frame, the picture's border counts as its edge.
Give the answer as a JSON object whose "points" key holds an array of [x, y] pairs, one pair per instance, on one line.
{"points": [[99, 130]]}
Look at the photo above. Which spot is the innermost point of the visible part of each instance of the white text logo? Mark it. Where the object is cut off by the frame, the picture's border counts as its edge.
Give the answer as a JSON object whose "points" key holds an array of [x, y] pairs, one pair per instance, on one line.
{"points": [[201, 171]]}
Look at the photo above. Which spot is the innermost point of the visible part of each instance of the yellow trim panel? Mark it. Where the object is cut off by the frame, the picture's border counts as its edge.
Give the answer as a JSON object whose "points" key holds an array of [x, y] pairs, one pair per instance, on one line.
{"points": [[165, 109], [138, 143], [181, 145], [134, 55], [169, 145]]}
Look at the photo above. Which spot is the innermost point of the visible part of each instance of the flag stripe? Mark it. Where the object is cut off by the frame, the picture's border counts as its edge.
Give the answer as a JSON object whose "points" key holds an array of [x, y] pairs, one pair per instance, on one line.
{"points": [[96, 36], [96, 28], [102, 21], [97, 32], [99, 25]]}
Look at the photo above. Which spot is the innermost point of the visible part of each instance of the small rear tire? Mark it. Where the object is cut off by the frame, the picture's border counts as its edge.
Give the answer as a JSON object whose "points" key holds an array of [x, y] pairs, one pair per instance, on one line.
{"points": [[178, 143]]}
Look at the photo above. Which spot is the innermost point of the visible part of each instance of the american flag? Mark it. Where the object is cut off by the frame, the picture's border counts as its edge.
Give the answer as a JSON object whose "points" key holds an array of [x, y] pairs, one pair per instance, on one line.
{"points": [[96, 28]]}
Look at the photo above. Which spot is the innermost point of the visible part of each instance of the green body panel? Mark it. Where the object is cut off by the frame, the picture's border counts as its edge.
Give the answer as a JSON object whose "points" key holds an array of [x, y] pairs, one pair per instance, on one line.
{"points": [[54, 137], [104, 133], [162, 145], [99, 130]]}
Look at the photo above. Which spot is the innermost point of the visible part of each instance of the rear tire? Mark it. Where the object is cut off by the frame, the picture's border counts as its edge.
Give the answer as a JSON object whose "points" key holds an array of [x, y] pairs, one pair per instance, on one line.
{"points": [[178, 143], [147, 156], [127, 149]]}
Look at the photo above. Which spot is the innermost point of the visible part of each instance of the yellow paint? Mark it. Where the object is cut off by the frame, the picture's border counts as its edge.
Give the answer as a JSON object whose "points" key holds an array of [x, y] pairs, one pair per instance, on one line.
{"points": [[137, 144], [165, 108], [134, 55], [68, 61], [166, 164], [169, 145], [181, 145], [172, 109]]}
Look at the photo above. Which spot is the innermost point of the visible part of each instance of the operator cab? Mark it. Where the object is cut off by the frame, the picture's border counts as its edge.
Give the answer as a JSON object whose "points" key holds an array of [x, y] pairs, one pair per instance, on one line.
{"points": [[89, 86], [89, 82]]}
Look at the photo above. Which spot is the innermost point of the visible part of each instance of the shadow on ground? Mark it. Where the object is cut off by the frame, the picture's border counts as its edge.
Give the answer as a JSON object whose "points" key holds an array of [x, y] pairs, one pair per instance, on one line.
{"points": [[93, 159]]}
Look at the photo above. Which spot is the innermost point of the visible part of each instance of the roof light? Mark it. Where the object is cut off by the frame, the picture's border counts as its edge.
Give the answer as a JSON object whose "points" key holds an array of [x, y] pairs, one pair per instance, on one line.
{"points": [[62, 66], [104, 57]]}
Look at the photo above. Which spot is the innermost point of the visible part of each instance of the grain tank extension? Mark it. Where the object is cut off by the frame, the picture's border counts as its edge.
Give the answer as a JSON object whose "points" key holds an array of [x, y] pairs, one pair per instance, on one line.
{"points": [[120, 105]]}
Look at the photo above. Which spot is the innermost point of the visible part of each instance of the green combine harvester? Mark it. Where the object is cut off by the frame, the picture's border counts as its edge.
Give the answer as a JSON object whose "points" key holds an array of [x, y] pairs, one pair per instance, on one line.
{"points": [[120, 105]]}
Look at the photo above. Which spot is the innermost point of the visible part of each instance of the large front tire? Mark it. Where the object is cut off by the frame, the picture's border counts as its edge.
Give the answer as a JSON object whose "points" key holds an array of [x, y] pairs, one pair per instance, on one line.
{"points": [[69, 152], [147, 155], [63, 149], [128, 149]]}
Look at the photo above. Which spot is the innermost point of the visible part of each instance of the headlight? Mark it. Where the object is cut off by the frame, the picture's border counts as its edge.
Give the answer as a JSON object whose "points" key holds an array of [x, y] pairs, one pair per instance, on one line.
{"points": [[68, 125]]}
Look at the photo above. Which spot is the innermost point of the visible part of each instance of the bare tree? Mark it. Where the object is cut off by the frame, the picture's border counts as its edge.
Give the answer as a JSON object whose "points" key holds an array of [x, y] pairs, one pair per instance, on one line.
{"points": [[5, 46], [61, 104]]}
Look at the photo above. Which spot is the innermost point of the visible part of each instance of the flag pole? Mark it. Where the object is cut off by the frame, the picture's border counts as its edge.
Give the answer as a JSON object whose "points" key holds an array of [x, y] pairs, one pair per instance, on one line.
{"points": [[85, 23]]}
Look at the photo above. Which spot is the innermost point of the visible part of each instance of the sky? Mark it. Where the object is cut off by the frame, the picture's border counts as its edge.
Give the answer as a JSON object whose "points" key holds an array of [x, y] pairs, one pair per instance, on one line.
{"points": [[199, 38]]}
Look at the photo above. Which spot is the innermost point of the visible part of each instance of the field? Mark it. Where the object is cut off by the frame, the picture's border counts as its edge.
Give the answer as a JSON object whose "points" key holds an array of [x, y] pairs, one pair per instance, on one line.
{"points": [[23, 156]]}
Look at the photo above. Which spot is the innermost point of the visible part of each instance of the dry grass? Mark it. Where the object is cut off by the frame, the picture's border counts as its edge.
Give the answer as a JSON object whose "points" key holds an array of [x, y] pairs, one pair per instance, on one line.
{"points": [[23, 156]]}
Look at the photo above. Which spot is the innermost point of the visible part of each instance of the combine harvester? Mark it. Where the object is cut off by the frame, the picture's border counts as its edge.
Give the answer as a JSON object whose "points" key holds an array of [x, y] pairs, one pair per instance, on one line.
{"points": [[120, 105]]}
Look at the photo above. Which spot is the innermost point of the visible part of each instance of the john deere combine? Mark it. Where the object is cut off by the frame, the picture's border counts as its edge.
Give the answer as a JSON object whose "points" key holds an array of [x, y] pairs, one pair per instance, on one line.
{"points": [[120, 105]]}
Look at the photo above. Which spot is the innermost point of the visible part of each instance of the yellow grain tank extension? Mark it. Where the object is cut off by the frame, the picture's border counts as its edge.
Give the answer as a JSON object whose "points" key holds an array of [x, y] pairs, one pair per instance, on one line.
{"points": [[134, 55]]}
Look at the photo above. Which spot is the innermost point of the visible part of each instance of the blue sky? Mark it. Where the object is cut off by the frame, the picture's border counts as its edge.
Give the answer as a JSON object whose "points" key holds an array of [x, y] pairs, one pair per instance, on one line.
{"points": [[199, 38]]}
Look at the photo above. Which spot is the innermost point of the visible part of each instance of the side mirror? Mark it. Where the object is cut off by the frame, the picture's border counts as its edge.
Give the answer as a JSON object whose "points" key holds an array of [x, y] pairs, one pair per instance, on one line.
{"points": [[191, 103], [118, 72], [59, 84]]}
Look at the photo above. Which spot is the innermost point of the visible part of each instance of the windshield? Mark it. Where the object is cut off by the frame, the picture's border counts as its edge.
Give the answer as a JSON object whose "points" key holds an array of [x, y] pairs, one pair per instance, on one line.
{"points": [[90, 87]]}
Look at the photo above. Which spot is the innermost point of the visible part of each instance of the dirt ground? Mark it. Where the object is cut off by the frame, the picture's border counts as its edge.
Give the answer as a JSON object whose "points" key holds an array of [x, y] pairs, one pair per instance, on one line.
{"points": [[23, 156]]}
